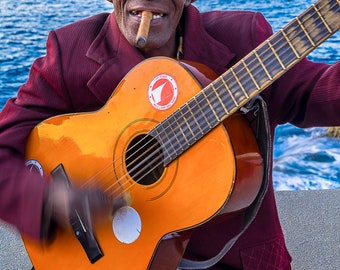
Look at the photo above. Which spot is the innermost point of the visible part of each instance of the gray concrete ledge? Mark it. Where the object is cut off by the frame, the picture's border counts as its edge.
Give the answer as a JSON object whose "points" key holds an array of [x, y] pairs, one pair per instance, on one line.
{"points": [[310, 220], [311, 223], [13, 255]]}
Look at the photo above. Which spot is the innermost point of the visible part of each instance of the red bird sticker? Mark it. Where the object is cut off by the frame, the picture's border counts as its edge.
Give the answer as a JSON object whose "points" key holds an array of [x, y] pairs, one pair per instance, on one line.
{"points": [[163, 92]]}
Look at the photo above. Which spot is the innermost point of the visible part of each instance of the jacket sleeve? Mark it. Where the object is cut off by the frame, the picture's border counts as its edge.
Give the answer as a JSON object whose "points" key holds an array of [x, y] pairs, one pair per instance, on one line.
{"points": [[307, 95], [42, 96]]}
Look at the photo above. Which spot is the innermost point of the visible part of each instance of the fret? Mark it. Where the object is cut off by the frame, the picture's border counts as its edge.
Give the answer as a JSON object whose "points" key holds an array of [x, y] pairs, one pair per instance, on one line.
{"points": [[219, 99], [298, 39], [282, 50], [171, 134], [224, 95], [290, 44], [194, 124], [257, 70], [208, 111], [215, 102], [212, 108], [330, 14], [234, 86], [263, 66], [322, 19], [245, 79], [228, 89], [305, 31], [239, 82], [276, 55], [269, 60], [200, 115], [187, 119], [311, 20], [250, 74], [183, 132]]}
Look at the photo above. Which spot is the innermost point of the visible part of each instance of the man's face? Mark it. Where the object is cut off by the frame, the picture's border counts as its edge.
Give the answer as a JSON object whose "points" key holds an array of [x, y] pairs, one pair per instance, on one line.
{"points": [[166, 16]]}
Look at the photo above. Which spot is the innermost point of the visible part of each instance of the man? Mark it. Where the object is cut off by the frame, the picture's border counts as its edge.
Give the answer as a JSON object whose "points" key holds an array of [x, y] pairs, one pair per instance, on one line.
{"points": [[85, 61]]}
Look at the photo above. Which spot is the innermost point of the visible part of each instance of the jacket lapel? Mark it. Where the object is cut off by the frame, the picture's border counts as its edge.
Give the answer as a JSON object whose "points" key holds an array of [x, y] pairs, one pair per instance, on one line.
{"points": [[116, 57]]}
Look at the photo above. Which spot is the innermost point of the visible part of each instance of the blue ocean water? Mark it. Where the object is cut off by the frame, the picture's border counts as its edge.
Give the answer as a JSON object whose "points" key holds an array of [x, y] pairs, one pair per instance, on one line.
{"points": [[303, 158]]}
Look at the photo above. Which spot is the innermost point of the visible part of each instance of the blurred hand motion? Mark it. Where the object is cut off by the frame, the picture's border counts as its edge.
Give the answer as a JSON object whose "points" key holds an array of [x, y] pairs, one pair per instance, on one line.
{"points": [[63, 200]]}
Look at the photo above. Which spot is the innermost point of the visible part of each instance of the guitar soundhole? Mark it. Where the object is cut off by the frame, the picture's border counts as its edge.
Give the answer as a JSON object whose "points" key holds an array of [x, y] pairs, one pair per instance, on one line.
{"points": [[144, 160]]}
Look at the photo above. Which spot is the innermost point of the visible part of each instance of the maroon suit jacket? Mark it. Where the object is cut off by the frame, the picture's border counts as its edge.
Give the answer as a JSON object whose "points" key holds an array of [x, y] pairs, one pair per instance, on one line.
{"points": [[87, 59]]}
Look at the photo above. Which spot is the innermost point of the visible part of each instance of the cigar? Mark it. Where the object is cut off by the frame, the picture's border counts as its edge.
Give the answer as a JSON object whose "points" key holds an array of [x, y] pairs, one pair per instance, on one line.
{"points": [[143, 30]]}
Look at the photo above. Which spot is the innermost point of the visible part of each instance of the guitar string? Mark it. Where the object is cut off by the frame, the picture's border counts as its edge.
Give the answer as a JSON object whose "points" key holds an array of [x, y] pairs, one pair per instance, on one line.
{"points": [[122, 185], [111, 164], [146, 173]]}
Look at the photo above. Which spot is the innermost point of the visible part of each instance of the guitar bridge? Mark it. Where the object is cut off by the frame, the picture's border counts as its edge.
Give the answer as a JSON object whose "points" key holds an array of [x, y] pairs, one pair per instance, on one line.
{"points": [[80, 223]]}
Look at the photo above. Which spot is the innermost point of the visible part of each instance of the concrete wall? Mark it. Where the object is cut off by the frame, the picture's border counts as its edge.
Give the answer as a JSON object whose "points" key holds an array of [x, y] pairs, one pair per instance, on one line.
{"points": [[310, 220]]}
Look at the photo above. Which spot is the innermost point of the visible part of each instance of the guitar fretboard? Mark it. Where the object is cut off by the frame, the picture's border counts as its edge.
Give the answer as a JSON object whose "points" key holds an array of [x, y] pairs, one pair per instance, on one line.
{"points": [[247, 78]]}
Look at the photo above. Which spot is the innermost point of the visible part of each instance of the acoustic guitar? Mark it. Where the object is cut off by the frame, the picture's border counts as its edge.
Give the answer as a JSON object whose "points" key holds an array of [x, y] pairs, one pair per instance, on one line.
{"points": [[170, 138]]}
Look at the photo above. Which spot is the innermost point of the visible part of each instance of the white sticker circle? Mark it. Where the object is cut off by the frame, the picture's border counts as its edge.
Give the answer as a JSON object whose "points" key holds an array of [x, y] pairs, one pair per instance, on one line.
{"points": [[126, 225], [163, 92]]}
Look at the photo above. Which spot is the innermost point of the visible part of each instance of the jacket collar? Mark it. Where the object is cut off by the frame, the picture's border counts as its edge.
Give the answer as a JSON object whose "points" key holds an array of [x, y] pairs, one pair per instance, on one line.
{"points": [[117, 57], [200, 46]]}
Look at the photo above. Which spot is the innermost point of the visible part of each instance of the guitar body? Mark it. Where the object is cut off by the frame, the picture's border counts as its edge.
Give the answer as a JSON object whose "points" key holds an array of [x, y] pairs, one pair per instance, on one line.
{"points": [[224, 167]]}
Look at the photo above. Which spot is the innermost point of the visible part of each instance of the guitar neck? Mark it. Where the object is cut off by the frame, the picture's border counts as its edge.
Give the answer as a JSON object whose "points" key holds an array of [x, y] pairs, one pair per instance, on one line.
{"points": [[249, 77]]}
